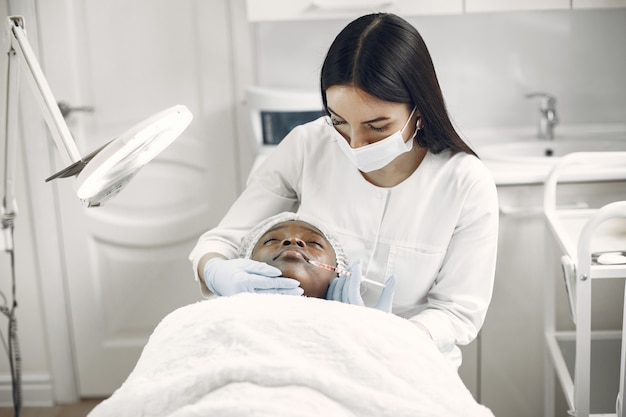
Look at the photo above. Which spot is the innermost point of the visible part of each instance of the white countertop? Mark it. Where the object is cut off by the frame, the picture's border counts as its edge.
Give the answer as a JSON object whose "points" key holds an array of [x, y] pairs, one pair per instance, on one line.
{"points": [[512, 171], [506, 173]]}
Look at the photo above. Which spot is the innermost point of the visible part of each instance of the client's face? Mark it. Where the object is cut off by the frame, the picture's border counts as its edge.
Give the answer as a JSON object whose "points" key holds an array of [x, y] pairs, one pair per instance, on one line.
{"points": [[289, 245]]}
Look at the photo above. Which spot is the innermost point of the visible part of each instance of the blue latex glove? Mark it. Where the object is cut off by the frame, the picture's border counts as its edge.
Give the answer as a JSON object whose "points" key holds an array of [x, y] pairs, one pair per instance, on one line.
{"points": [[233, 276], [348, 289]]}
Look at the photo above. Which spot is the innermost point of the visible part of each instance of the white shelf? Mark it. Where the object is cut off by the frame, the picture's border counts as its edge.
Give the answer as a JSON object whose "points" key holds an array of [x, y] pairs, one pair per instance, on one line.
{"points": [[566, 227], [577, 356], [571, 229], [605, 347]]}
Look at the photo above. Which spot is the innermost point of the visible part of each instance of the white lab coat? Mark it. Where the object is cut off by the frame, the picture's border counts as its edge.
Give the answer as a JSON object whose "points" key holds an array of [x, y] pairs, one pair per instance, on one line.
{"points": [[436, 231]]}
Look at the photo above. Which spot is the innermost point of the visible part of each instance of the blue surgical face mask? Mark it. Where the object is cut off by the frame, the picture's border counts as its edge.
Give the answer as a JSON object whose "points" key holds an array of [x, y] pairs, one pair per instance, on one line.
{"points": [[378, 154]]}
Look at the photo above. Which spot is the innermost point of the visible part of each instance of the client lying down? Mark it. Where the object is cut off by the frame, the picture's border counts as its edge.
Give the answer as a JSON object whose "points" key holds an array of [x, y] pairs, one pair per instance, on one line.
{"points": [[278, 355], [293, 244], [285, 247]]}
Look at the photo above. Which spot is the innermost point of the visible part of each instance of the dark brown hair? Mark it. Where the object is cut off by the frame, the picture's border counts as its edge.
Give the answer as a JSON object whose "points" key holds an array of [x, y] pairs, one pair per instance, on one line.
{"points": [[385, 56]]}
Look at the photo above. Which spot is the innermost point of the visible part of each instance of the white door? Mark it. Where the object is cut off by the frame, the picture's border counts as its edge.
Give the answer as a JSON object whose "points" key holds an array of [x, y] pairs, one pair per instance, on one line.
{"points": [[126, 262]]}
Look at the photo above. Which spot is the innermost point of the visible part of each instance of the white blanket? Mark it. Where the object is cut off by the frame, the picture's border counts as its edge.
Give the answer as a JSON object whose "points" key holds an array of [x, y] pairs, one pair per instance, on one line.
{"points": [[273, 355]]}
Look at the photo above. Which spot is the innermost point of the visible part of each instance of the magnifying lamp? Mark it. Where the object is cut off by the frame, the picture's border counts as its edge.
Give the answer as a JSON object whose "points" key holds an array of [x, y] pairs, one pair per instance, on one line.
{"points": [[100, 175], [103, 173]]}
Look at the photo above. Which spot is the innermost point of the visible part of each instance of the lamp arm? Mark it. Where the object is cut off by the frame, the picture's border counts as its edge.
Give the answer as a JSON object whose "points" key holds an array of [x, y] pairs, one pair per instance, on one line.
{"points": [[49, 107], [21, 52], [9, 203]]}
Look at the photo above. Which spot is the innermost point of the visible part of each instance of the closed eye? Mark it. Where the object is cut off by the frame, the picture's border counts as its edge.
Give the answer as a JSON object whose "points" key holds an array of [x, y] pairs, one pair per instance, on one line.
{"points": [[371, 127], [377, 129]]}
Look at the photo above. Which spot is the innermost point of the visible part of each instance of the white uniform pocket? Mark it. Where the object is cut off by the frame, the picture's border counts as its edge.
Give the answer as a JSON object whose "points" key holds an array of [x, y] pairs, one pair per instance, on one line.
{"points": [[415, 270]]}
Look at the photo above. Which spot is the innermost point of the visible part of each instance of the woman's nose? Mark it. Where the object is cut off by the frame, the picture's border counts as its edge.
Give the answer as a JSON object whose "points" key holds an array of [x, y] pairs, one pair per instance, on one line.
{"points": [[353, 136], [357, 139], [293, 241]]}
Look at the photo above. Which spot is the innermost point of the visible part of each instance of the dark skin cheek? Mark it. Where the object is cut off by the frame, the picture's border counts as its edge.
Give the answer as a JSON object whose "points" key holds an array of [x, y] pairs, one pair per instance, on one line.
{"points": [[275, 248], [313, 280], [314, 283]]}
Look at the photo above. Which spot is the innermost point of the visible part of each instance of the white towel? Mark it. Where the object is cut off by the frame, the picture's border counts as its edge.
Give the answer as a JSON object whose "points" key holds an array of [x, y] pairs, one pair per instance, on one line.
{"points": [[277, 355]]}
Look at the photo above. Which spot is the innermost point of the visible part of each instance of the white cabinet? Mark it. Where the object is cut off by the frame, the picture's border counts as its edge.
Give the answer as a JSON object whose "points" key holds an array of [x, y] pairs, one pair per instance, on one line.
{"points": [[597, 4], [472, 6], [479, 6], [289, 10], [511, 355], [280, 10]]}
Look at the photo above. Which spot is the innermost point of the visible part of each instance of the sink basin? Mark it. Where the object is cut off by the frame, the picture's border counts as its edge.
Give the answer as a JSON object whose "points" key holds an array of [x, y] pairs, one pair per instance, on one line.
{"points": [[543, 151]]}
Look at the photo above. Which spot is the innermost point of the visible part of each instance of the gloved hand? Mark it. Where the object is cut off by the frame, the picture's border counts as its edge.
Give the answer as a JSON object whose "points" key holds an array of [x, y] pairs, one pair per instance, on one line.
{"points": [[233, 276], [347, 289]]}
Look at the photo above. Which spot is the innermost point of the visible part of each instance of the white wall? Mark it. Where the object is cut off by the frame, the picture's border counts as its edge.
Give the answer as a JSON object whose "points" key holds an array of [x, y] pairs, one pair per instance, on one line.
{"points": [[486, 63]]}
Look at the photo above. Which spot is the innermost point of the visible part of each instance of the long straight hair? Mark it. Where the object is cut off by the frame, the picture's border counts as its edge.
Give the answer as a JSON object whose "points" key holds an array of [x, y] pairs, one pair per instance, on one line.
{"points": [[385, 56]]}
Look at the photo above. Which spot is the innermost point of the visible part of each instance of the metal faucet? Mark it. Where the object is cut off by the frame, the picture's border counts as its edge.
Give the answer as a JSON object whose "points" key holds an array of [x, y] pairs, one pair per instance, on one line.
{"points": [[547, 110]]}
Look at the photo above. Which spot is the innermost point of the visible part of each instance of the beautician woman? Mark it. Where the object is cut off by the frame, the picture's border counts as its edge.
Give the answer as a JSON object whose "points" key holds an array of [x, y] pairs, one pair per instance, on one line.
{"points": [[389, 175]]}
